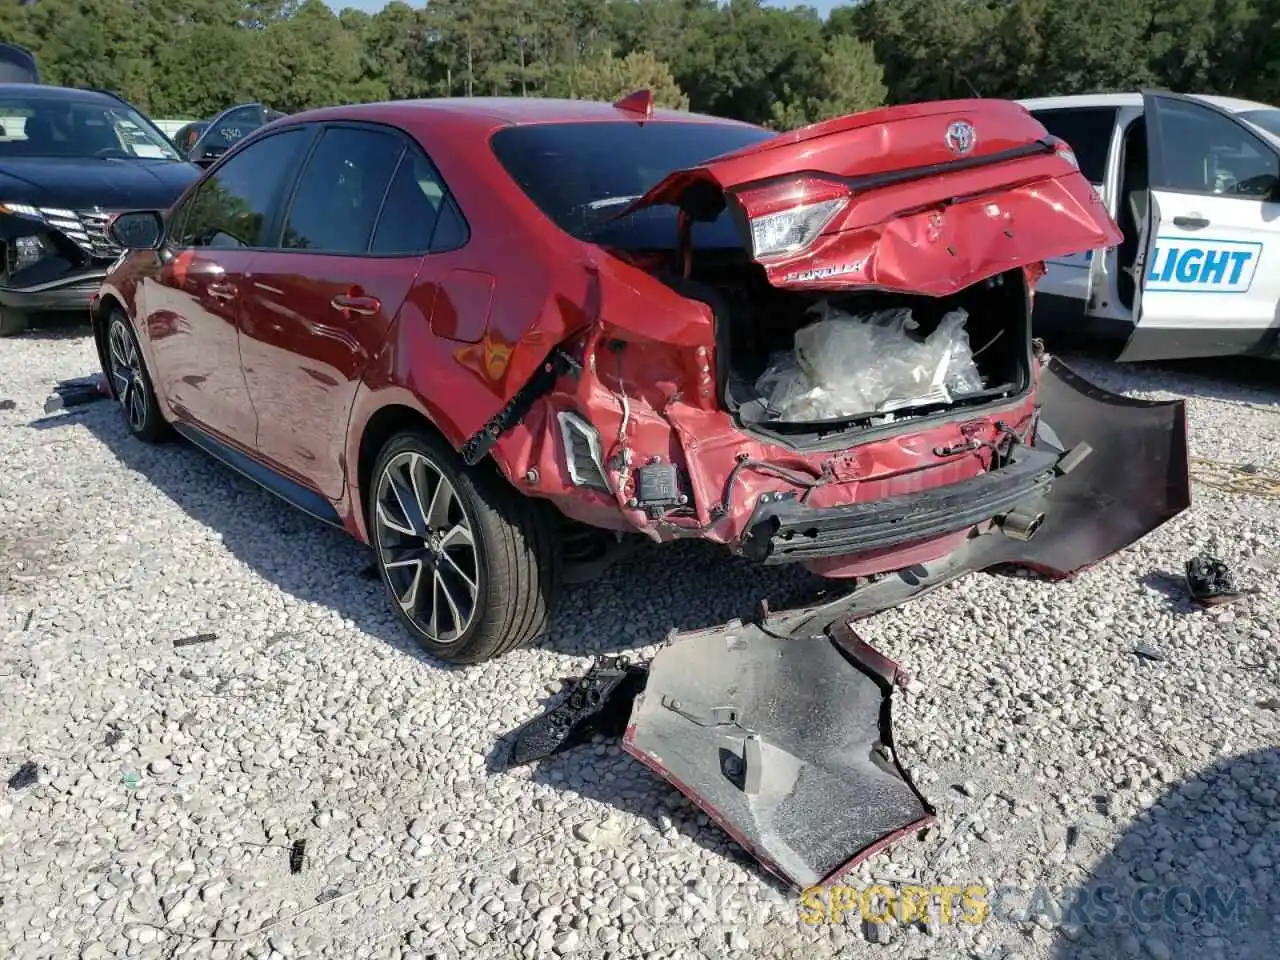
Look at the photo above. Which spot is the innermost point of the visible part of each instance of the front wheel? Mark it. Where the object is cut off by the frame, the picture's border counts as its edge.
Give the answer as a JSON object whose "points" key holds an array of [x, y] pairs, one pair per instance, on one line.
{"points": [[130, 382], [471, 566]]}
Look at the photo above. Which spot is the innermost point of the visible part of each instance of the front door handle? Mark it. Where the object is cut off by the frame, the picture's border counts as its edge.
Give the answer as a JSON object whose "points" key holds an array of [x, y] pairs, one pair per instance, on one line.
{"points": [[348, 304], [1193, 222], [220, 290]]}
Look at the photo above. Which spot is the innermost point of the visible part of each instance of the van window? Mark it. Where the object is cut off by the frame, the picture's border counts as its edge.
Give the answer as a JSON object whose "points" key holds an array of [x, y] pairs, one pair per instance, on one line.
{"points": [[1087, 130]]}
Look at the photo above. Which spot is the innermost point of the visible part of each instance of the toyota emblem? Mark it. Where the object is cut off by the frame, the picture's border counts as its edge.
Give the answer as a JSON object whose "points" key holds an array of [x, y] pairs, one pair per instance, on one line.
{"points": [[960, 137]]}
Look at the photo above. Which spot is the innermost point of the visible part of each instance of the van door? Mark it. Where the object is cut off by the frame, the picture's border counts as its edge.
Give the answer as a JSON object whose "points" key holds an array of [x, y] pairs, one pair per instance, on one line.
{"points": [[1065, 289], [1210, 280]]}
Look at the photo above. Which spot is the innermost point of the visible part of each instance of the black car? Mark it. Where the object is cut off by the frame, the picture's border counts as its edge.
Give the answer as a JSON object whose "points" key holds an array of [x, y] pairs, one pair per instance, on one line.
{"points": [[69, 158], [213, 138]]}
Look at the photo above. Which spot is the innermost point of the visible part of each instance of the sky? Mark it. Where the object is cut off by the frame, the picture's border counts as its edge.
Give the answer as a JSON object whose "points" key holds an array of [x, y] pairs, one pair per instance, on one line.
{"points": [[372, 6]]}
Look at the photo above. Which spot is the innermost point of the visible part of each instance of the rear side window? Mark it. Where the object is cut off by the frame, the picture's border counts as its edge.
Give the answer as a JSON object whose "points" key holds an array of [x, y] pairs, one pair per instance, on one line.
{"points": [[414, 205], [1087, 130], [580, 175], [340, 192], [233, 206]]}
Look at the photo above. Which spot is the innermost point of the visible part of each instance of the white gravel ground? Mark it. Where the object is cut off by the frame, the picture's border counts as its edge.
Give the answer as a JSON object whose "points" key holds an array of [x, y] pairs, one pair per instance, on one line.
{"points": [[174, 780]]}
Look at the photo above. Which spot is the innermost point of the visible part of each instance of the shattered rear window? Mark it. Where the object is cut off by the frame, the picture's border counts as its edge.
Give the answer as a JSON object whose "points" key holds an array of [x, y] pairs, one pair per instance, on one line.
{"points": [[581, 175]]}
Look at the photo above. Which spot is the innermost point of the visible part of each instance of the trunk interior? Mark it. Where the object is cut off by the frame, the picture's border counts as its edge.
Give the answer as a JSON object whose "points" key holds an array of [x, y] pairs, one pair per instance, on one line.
{"points": [[785, 378]]}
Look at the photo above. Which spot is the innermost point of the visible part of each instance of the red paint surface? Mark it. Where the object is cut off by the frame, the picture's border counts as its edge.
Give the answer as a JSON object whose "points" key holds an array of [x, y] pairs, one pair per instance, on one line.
{"points": [[282, 375]]}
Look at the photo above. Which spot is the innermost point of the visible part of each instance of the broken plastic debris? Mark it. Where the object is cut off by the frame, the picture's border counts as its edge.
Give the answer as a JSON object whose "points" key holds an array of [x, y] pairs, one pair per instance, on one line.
{"points": [[1210, 581], [26, 775], [130, 781], [297, 856], [846, 365], [76, 392], [598, 702], [7, 405], [194, 639]]}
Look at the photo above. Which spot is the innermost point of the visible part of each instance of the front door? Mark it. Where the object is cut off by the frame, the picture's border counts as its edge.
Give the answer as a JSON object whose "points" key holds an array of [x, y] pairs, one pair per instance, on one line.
{"points": [[193, 305], [321, 304], [1210, 279]]}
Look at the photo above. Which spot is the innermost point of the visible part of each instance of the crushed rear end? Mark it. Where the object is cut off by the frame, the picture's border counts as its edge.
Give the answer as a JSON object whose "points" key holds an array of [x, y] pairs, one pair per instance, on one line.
{"points": [[854, 386], [916, 234]]}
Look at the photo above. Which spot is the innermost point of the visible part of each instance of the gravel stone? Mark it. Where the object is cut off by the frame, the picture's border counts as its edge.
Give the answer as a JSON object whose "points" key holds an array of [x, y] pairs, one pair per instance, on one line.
{"points": [[180, 776]]}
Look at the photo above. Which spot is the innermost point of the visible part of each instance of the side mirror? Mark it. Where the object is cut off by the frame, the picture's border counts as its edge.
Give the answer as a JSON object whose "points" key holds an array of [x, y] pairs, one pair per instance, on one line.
{"points": [[137, 230]]}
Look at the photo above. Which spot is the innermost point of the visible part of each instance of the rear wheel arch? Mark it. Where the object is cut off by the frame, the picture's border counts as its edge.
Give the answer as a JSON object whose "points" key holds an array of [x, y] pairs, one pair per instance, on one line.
{"points": [[382, 425], [385, 423]]}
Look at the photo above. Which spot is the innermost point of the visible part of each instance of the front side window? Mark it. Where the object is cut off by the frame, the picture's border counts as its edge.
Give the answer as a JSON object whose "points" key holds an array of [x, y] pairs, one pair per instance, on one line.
{"points": [[580, 175], [88, 126], [1087, 131], [340, 192], [232, 207], [1204, 152]]}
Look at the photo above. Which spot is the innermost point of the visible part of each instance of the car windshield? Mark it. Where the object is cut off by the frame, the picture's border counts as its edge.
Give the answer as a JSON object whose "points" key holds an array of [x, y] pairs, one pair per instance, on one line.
{"points": [[1268, 119], [582, 174], [44, 126]]}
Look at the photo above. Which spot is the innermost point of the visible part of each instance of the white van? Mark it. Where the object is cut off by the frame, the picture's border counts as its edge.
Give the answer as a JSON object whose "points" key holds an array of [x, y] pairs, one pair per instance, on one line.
{"points": [[1194, 183]]}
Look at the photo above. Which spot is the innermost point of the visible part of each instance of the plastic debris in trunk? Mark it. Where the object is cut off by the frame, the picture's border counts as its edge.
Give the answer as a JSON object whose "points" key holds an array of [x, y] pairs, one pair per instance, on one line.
{"points": [[848, 365]]}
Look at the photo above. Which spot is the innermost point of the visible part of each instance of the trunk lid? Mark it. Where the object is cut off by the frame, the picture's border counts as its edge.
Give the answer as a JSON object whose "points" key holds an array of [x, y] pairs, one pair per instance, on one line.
{"points": [[926, 198]]}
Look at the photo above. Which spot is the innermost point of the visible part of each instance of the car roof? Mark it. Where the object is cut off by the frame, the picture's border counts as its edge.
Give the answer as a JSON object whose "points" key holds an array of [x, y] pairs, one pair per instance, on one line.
{"points": [[44, 91], [1134, 99], [501, 111]]}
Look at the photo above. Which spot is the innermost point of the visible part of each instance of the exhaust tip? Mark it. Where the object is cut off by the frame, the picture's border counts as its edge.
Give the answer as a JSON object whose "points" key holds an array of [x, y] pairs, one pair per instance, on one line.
{"points": [[1021, 524]]}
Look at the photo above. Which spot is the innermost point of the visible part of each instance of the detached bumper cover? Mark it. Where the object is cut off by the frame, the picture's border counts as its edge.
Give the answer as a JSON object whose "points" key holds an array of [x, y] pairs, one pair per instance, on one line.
{"points": [[784, 741]]}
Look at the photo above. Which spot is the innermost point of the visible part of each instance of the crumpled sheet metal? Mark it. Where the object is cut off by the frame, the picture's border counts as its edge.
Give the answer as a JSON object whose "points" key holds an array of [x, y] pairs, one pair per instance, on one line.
{"points": [[785, 741]]}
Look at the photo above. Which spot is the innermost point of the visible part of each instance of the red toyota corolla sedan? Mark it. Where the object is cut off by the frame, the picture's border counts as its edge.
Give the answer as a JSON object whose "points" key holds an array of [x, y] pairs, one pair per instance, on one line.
{"points": [[494, 337]]}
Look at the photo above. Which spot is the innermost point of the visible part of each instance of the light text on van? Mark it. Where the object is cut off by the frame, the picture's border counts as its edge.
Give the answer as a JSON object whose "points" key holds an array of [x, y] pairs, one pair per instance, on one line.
{"points": [[1218, 266]]}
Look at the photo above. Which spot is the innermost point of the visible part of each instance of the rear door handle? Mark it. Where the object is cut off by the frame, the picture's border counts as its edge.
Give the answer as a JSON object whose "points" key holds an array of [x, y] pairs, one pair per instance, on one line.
{"points": [[1193, 222], [220, 290], [348, 304]]}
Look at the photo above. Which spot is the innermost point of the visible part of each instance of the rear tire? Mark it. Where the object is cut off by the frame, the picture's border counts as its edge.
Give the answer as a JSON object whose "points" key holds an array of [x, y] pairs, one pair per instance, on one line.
{"points": [[130, 382], [471, 566], [12, 322]]}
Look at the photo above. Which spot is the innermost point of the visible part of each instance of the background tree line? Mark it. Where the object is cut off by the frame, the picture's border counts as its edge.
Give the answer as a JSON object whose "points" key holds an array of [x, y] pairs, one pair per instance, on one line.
{"points": [[782, 67]]}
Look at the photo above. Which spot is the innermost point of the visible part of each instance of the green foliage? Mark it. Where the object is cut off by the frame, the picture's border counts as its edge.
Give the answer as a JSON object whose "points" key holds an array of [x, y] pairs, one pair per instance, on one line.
{"points": [[740, 58]]}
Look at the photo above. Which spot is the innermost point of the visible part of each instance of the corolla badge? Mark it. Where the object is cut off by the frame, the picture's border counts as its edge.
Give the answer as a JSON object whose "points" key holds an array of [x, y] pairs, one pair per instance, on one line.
{"points": [[960, 137]]}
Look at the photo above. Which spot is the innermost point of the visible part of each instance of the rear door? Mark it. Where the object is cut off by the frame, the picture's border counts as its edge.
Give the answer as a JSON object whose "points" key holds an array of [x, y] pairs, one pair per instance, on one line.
{"points": [[1211, 275], [1071, 278], [192, 304], [321, 303]]}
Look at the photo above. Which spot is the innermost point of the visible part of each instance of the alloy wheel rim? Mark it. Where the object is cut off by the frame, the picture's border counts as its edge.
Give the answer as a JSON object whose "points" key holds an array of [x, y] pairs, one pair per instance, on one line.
{"points": [[126, 371], [427, 547]]}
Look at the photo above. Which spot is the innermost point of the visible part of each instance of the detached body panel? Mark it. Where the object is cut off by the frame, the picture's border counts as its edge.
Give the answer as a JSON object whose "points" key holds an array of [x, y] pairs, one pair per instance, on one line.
{"points": [[785, 741]]}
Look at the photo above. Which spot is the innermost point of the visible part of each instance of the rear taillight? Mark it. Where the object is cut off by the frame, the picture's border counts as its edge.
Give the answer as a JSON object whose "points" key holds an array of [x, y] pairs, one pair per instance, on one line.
{"points": [[1063, 149], [782, 219]]}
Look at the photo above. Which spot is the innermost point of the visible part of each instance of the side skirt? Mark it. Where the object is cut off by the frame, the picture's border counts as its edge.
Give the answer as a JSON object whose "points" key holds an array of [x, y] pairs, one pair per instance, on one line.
{"points": [[292, 493]]}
